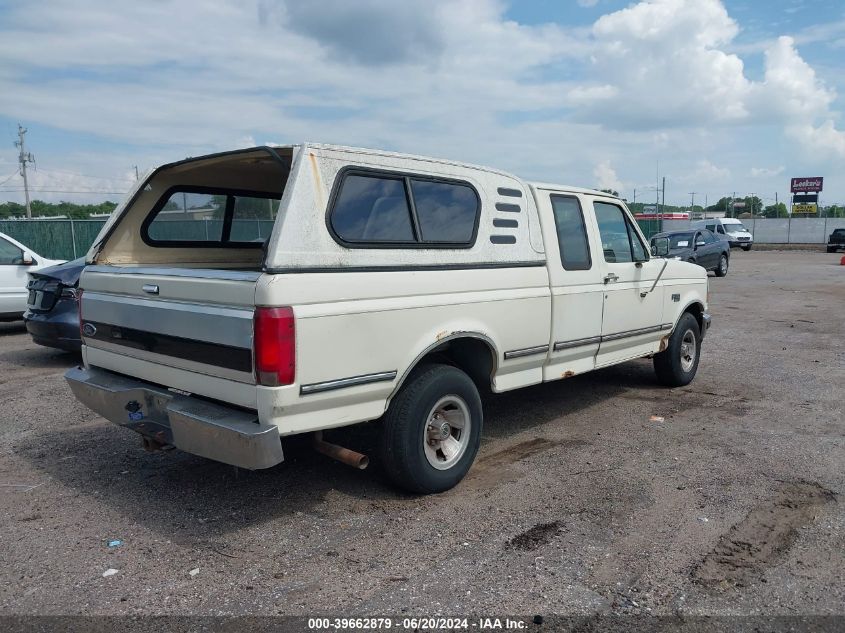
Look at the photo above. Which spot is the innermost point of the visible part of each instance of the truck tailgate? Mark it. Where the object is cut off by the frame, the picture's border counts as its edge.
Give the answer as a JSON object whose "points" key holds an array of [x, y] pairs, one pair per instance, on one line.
{"points": [[190, 329]]}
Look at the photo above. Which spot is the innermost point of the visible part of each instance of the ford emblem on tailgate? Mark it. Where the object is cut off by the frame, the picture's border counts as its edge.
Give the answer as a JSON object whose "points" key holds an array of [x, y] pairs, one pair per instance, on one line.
{"points": [[88, 329]]}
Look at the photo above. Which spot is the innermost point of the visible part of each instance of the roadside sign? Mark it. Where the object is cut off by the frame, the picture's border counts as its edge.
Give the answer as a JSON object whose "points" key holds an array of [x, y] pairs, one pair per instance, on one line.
{"points": [[807, 184], [804, 208]]}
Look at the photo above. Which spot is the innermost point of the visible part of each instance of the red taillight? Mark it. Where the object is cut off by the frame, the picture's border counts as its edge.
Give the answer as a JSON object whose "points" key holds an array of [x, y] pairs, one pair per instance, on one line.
{"points": [[275, 346]]}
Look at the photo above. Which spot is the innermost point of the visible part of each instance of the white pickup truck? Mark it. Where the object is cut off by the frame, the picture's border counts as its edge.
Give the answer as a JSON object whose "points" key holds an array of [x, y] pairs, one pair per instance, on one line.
{"points": [[238, 298]]}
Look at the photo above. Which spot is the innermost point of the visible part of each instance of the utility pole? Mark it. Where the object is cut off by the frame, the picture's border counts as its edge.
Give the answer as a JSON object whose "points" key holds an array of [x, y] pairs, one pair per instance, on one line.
{"points": [[635, 197], [692, 203], [664, 193], [136, 172], [23, 158]]}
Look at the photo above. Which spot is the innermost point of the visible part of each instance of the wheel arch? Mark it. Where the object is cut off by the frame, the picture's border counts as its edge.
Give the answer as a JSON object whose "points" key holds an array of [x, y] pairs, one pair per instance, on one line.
{"points": [[474, 353], [695, 308]]}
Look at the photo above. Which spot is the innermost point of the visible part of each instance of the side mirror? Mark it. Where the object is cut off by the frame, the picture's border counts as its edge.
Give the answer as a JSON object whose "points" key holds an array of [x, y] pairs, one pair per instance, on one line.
{"points": [[27, 260], [702, 243], [660, 246]]}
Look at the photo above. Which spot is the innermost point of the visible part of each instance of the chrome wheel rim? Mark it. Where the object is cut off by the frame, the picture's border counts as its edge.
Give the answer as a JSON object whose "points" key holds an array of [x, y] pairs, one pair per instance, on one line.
{"points": [[689, 350], [723, 265], [446, 433]]}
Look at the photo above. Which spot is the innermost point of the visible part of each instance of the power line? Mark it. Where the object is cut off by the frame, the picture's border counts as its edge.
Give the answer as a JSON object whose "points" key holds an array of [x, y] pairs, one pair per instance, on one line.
{"points": [[8, 179]]}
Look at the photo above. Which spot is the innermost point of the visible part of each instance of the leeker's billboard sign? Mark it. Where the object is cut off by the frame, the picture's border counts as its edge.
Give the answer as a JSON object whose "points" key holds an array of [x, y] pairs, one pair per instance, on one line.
{"points": [[806, 185]]}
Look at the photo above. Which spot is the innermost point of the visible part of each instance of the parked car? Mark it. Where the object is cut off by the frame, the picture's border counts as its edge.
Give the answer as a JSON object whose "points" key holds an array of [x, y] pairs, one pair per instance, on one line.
{"points": [[393, 288], [16, 261], [52, 315], [836, 240], [699, 247], [730, 228]]}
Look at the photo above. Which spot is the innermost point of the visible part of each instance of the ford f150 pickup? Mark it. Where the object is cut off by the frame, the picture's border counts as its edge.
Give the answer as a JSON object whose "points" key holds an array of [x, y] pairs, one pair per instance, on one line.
{"points": [[238, 298]]}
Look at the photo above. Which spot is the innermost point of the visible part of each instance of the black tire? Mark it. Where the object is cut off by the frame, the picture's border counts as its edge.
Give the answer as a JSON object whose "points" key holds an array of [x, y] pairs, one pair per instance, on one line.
{"points": [[722, 268], [671, 370], [831, 249], [405, 446], [746, 248]]}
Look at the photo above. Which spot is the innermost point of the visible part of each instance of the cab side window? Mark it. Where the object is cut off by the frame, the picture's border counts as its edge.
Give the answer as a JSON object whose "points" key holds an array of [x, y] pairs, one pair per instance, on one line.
{"points": [[571, 233], [708, 237], [9, 253], [620, 241]]}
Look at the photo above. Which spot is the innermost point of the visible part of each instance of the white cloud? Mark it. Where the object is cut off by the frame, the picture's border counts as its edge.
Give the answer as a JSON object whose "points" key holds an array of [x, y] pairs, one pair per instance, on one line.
{"points": [[824, 139], [790, 86], [664, 56], [766, 172], [606, 177], [703, 172], [663, 63]]}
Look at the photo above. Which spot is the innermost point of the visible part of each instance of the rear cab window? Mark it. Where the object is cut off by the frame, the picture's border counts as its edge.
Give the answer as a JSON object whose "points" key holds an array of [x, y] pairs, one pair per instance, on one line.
{"points": [[372, 209], [571, 233]]}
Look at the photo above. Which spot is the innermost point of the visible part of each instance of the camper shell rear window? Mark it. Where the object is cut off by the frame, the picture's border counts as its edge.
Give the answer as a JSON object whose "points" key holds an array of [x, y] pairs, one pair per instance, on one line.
{"points": [[210, 217]]}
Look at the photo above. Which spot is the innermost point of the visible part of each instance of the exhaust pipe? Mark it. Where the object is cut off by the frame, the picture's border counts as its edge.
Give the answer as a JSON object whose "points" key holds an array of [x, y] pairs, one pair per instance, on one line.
{"points": [[341, 454]]}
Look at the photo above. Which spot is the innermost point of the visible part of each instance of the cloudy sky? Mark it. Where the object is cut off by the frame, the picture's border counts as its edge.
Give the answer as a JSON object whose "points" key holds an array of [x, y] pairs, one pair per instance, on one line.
{"points": [[726, 96]]}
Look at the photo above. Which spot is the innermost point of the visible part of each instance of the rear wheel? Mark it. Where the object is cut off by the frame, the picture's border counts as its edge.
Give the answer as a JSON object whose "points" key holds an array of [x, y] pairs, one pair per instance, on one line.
{"points": [[722, 268], [432, 430], [677, 364]]}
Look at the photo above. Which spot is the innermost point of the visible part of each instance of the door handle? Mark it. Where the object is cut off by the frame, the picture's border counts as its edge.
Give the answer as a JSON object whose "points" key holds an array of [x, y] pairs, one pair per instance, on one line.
{"points": [[610, 277], [150, 289]]}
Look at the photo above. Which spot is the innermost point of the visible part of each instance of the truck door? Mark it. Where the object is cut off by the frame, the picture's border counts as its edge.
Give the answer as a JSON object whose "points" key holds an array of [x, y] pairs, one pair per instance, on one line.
{"points": [[576, 286], [632, 320]]}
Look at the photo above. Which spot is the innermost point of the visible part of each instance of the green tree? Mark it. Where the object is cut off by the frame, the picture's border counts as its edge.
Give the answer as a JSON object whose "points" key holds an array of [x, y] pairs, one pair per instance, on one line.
{"points": [[722, 206], [775, 211], [41, 209]]}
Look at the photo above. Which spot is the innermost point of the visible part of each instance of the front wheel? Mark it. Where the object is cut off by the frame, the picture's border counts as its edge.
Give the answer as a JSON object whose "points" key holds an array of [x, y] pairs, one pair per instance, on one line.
{"points": [[432, 430], [677, 364], [722, 268]]}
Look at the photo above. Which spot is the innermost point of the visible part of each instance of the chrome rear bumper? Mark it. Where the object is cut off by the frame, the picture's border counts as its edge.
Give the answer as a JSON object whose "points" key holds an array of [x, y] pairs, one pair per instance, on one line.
{"points": [[195, 426]]}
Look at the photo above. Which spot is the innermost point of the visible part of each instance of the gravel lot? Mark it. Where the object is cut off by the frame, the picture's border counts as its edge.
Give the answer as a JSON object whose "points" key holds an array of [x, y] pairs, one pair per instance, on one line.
{"points": [[578, 504]]}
